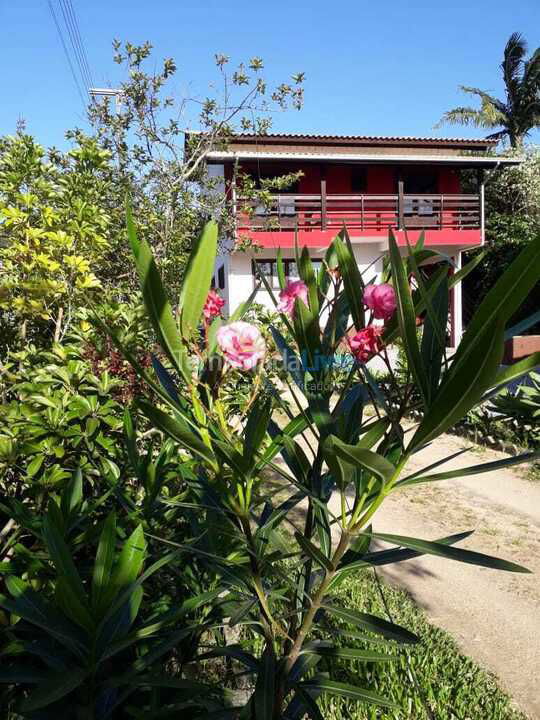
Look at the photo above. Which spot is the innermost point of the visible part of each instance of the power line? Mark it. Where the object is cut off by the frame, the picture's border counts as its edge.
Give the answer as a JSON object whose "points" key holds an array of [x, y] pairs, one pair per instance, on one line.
{"points": [[79, 40], [75, 44], [60, 35]]}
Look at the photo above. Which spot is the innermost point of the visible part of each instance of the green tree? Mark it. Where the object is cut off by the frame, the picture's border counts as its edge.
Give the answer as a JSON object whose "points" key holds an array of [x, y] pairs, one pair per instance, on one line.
{"points": [[149, 132], [512, 222], [55, 230], [519, 112]]}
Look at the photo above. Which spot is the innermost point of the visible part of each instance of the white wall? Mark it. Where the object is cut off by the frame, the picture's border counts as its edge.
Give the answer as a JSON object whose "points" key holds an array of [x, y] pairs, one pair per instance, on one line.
{"points": [[239, 275], [368, 257]]}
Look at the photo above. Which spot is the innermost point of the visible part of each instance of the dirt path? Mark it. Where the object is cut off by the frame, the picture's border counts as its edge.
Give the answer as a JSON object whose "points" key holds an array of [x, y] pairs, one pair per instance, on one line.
{"points": [[494, 616]]}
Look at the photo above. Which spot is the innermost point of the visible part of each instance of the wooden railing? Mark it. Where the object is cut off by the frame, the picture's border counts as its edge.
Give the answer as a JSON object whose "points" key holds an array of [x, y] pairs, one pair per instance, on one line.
{"points": [[361, 212]]}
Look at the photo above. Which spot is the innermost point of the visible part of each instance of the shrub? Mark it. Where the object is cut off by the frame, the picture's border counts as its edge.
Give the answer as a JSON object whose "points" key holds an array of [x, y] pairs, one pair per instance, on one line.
{"points": [[282, 590]]}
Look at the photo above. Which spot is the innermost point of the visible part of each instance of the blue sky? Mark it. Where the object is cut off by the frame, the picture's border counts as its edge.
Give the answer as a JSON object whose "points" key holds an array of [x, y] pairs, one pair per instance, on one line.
{"points": [[388, 67]]}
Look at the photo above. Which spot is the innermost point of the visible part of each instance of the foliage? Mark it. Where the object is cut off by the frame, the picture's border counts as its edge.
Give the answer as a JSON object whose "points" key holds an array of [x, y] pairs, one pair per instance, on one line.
{"points": [[519, 112], [512, 198], [56, 233], [450, 685], [522, 406], [159, 143], [57, 416], [328, 448], [80, 631]]}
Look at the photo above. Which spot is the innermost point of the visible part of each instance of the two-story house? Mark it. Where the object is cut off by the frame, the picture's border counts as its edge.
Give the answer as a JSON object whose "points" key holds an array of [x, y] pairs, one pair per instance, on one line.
{"points": [[369, 184]]}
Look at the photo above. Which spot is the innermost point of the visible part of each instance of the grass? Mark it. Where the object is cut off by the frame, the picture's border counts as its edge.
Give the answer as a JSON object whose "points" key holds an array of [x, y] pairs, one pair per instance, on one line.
{"points": [[452, 685]]}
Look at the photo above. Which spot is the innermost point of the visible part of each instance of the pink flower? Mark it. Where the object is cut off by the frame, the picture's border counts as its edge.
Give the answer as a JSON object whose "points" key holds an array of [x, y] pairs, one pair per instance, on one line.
{"points": [[212, 306], [366, 343], [242, 344], [381, 299], [294, 289]]}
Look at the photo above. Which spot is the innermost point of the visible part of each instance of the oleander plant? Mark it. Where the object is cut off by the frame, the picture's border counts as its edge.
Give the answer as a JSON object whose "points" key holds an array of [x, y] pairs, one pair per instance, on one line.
{"points": [[287, 489], [192, 555]]}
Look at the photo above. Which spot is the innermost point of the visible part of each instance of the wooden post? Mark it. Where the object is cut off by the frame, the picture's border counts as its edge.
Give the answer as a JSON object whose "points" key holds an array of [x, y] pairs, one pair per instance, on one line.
{"points": [[481, 203], [323, 197], [401, 204], [441, 208]]}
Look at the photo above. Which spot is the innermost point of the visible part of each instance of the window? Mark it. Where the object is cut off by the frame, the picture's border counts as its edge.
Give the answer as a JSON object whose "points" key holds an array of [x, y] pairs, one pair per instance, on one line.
{"points": [[221, 277], [358, 179], [421, 182], [268, 268]]}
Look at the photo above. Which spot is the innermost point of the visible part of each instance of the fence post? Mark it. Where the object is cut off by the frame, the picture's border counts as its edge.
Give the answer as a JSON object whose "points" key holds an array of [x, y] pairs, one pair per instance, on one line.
{"points": [[401, 214], [323, 203]]}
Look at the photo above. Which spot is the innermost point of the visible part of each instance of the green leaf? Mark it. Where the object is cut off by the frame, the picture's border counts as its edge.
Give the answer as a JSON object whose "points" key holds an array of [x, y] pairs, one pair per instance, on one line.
{"points": [[293, 428], [256, 427], [156, 301], [308, 335], [459, 391], [131, 442], [27, 604], [34, 465], [57, 686], [349, 653], [233, 651], [178, 430], [291, 361], [125, 594], [309, 705], [130, 561], [373, 624], [417, 479], [406, 316], [130, 357], [513, 372], [351, 276], [383, 557], [332, 687], [307, 274], [374, 432], [434, 338], [504, 298], [358, 456], [313, 552], [520, 327], [452, 553], [70, 604], [72, 495], [197, 279], [341, 470], [279, 513], [104, 563], [62, 559], [280, 269], [264, 695], [330, 262]]}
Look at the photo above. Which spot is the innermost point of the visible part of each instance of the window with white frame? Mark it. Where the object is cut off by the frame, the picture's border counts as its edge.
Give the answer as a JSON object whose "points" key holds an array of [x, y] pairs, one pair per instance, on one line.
{"points": [[268, 268]]}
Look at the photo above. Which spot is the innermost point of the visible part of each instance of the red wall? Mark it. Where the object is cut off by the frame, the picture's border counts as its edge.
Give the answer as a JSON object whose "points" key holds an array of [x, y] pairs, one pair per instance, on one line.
{"points": [[380, 178]]}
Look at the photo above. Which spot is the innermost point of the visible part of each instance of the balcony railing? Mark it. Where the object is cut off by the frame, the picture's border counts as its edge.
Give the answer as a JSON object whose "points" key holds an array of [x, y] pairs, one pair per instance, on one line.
{"points": [[361, 212]]}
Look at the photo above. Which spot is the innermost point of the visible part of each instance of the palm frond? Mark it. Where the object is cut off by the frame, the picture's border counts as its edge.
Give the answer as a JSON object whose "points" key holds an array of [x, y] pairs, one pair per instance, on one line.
{"points": [[462, 116], [514, 53], [499, 135], [485, 97], [531, 74]]}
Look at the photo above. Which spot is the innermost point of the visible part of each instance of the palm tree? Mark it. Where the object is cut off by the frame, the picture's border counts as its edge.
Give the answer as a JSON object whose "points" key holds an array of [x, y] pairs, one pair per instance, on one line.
{"points": [[520, 111]]}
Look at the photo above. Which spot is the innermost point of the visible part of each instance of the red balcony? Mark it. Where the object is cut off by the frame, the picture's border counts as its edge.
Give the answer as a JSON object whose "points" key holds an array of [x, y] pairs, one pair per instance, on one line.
{"points": [[361, 212]]}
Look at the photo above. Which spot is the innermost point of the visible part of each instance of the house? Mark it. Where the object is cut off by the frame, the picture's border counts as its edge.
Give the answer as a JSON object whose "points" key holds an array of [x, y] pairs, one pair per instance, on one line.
{"points": [[369, 184]]}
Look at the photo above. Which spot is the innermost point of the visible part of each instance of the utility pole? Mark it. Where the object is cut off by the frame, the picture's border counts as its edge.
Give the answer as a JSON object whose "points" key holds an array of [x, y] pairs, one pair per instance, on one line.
{"points": [[108, 92]]}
